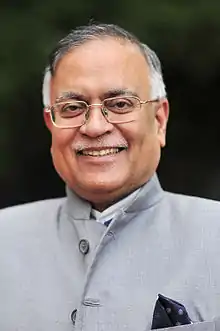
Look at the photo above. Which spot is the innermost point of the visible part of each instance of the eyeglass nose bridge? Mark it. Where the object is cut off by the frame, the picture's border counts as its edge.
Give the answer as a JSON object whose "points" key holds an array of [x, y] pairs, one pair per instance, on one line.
{"points": [[104, 110]]}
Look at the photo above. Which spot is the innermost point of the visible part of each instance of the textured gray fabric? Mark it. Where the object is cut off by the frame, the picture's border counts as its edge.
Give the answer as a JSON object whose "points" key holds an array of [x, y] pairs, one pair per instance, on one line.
{"points": [[162, 243]]}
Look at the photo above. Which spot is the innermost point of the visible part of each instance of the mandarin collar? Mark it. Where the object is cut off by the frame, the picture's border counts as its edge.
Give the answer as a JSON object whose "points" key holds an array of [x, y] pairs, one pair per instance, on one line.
{"points": [[76, 207], [149, 194]]}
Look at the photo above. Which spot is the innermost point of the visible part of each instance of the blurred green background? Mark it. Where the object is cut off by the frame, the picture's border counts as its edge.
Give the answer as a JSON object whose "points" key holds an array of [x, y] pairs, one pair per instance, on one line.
{"points": [[185, 35]]}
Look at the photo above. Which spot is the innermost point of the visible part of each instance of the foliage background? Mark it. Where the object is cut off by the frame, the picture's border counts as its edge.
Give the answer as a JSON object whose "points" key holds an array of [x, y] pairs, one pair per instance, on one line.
{"points": [[184, 33]]}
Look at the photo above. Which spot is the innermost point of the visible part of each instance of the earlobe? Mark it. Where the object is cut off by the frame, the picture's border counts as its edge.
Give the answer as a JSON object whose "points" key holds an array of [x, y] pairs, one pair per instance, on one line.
{"points": [[47, 119], [162, 115]]}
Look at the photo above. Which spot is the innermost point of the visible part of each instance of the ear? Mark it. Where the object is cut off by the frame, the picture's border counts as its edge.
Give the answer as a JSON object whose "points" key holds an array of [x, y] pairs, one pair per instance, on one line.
{"points": [[162, 114], [47, 119]]}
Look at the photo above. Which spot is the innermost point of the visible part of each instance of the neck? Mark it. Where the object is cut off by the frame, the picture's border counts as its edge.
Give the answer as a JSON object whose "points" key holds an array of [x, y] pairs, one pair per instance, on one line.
{"points": [[101, 206]]}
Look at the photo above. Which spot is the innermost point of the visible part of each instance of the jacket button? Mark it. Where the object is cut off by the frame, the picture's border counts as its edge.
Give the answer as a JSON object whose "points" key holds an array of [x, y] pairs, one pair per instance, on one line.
{"points": [[84, 246], [73, 316]]}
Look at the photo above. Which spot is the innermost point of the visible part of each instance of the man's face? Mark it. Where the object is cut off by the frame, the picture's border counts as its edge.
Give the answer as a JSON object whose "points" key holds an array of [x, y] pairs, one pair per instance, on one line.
{"points": [[94, 71]]}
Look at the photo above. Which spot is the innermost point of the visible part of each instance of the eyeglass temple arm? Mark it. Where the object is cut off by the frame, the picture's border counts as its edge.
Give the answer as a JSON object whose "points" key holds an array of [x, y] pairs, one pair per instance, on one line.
{"points": [[149, 101]]}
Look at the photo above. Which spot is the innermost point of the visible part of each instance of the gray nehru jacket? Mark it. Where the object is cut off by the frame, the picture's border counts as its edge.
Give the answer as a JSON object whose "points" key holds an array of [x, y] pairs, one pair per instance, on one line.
{"points": [[55, 260]]}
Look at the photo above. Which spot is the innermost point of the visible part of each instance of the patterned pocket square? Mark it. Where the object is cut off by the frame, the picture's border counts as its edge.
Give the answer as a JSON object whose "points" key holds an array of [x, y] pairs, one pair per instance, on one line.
{"points": [[168, 313]]}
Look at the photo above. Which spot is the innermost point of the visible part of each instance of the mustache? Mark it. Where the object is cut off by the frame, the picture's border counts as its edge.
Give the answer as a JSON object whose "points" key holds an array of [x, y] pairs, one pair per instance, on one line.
{"points": [[99, 144]]}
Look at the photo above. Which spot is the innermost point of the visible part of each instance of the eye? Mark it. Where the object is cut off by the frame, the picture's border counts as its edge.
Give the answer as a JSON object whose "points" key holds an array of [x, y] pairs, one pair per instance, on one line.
{"points": [[120, 104], [72, 109]]}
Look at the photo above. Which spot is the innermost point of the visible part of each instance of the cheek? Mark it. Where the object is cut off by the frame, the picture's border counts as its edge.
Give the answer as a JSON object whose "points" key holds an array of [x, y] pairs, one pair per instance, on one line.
{"points": [[143, 142], [148, 129], [62, 136], [62, 155], [140, 131], [61, 141]]}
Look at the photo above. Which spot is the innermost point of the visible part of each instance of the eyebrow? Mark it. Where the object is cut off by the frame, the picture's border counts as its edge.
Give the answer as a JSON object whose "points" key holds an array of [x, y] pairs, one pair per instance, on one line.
{"points": [[70, 95], [117, 92], [109, 94]]}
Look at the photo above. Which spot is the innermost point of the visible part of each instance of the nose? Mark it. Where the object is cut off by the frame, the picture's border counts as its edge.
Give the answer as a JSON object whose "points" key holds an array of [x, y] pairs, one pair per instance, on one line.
{"points": [[96, 124]]}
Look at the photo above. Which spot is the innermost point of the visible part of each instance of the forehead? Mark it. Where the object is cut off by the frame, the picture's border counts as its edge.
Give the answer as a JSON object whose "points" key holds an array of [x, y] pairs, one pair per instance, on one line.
{"points": [[100, 65]]}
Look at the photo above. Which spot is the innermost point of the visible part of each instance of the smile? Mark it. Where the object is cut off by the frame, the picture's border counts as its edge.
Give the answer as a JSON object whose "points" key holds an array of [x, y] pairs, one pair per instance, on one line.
{"points": [[101, 152]]}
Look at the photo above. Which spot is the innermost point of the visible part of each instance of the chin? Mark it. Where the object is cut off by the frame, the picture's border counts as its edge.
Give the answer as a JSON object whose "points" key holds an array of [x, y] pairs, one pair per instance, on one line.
{"points": [[100, 185]]}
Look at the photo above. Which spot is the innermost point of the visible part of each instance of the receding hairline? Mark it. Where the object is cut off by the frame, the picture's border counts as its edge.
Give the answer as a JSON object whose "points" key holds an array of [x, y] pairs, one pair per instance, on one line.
{"points": [[90, 32], [126, 49], [118, 39]]}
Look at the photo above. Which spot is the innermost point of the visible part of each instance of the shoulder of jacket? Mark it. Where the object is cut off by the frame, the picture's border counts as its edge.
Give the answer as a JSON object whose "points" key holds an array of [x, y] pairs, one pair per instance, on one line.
{"points": [[36, 208], [187, 202]]}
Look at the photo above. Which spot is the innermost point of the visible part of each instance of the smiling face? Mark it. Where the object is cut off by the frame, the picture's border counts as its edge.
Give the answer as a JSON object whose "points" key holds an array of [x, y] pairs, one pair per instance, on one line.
{"points": [[100, 161]]}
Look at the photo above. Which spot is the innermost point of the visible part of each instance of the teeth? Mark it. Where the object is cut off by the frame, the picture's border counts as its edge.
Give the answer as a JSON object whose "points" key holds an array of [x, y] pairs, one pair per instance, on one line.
{"points": [[101, 152]]}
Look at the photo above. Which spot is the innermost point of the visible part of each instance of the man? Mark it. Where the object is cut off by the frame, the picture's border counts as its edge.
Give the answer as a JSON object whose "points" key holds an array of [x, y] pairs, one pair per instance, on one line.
{"points": [[99, 258]]}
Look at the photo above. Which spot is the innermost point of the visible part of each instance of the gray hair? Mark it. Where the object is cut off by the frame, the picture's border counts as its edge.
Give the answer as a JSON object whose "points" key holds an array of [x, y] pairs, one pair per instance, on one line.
{"points": [[82, 34]]}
